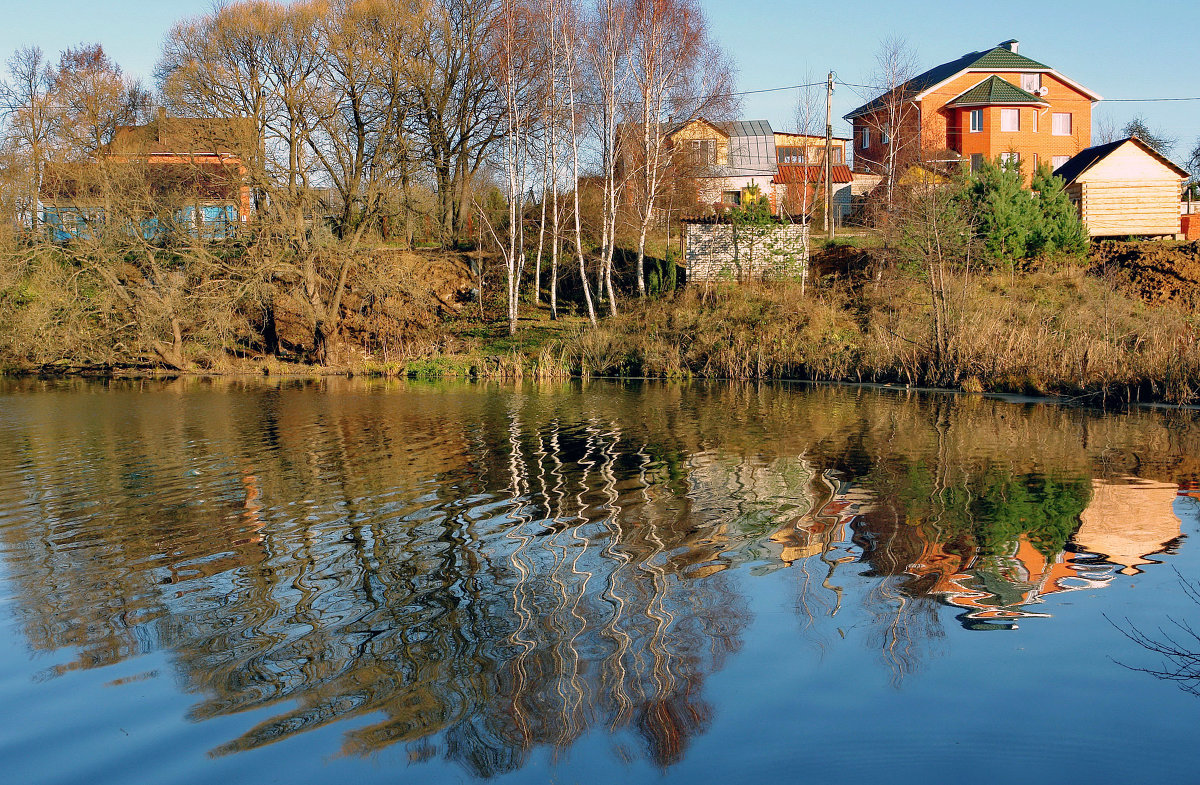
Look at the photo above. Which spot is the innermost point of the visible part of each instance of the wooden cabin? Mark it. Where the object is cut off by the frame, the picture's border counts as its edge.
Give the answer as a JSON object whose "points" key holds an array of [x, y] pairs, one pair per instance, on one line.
{"points": [[1125, 188]]}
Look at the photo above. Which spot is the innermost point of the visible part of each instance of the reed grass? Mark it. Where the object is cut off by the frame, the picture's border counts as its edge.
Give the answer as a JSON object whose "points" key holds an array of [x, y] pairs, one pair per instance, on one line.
{"points": [[1060, 333]]}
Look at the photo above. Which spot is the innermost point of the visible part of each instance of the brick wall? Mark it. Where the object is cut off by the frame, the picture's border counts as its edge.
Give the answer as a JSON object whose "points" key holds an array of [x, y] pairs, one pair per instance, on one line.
{"points": [[724, 252]]}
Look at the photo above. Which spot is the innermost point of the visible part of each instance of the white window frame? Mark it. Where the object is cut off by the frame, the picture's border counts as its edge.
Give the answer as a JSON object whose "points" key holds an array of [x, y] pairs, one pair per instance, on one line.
{"points": [[1034, 127], [1010, 120], [1010, 157], [885, 137], [865, 142], [1031, 83], [1058, 160], [975, 120], [1057, 121]]}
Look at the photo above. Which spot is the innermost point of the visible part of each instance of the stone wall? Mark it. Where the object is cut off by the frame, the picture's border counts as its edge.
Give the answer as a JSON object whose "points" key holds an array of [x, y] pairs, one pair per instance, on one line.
{"points": [[724, 252]]}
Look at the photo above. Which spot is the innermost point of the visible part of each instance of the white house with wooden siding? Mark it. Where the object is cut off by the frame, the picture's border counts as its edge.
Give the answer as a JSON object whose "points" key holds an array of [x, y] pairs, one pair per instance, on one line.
{"points": [[1125, 188]]}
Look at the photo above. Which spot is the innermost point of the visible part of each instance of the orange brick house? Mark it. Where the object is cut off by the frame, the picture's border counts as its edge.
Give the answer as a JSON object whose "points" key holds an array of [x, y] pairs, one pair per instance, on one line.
{"points": [[983, 106]]}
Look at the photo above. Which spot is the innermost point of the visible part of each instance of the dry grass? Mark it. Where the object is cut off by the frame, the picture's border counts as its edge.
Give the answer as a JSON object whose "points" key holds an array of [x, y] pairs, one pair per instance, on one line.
{"points": [[1061, 333]]}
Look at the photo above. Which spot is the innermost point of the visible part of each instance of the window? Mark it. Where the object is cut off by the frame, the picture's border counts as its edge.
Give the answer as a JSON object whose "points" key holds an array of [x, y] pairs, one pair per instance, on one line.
{"points": [[976, 161], [1010, 159], [865, 142], [791, 155], [1010, 119], [1059, 160], [704, 151], [1035, 159], [1031, 83], [732, 198], [885, 137], [1033, 125], [1061, 124], [976, 120], [837, 156]]}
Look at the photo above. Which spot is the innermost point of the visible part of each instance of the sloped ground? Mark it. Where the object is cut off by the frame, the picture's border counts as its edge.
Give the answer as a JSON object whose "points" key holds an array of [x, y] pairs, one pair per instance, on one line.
{"points": [[393, 300], [1157, 272]]}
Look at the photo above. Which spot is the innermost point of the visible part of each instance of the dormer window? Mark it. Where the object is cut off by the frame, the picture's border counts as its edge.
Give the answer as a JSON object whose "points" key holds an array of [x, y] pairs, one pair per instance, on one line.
{"points": [[704, 151], [1031, 83]]}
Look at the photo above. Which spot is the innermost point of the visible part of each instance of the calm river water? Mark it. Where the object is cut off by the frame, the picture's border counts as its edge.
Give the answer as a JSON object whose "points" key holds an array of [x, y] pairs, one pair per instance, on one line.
{"points": [[351, 581]]}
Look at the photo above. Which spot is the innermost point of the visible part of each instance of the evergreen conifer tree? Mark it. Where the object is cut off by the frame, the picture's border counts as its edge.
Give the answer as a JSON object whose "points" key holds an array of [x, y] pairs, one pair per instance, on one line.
{"points": [[1004, 212], [1059, 230]]}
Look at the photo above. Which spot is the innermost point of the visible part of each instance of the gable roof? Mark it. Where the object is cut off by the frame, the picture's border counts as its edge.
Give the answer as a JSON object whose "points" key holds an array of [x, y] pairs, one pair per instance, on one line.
{"points": [[194, 135], [1086, 159], [995, 90], [751, 147], [674, 129], [998, 58]]}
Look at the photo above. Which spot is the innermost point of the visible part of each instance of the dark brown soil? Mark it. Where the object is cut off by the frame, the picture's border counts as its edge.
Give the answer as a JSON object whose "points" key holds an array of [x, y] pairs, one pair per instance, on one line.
{"points": [[1156, 271]]}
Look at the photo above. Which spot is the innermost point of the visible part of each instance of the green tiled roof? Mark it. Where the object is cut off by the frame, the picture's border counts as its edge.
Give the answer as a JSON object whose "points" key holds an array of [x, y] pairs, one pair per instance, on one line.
{"points": [[997, 58], [995, 90], [1001, 57]]}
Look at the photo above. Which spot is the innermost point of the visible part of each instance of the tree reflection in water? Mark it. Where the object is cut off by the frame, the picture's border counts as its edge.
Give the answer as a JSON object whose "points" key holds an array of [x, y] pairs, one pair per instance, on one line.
{"points": [[479, 572], [1177, 645]]}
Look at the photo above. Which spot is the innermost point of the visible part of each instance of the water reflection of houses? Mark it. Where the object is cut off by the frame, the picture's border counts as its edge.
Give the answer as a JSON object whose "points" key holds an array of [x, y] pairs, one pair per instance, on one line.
{"points": [[1130, 520], [1000, 589], [754, 500], [826, 527]]}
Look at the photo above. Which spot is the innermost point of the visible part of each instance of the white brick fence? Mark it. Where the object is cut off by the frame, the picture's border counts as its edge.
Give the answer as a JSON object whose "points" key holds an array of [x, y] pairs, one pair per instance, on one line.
{"points": [[723, 251]]}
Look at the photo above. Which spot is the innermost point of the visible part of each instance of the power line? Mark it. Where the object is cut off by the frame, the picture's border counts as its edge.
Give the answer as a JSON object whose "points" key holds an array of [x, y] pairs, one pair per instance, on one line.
{"points": [[1145, 100]]}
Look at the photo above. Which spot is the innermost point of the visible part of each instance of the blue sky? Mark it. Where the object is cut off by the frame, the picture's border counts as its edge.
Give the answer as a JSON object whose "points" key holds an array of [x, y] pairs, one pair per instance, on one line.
{"points": [[1118, 50]]}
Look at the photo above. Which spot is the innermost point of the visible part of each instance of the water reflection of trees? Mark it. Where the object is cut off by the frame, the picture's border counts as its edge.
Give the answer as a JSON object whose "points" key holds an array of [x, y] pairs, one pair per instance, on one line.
{"points": [[480, 570], [476, 573]]}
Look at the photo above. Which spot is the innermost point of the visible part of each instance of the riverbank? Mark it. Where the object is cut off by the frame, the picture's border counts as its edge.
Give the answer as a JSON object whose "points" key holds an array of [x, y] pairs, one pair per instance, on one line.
{"points": [[1109, 334]]}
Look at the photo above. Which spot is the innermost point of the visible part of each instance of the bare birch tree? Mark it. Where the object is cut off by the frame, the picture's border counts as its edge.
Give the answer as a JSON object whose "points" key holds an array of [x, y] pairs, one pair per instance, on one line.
{"points": [[607, 41], [894, 119], [677, 73], [32, 123]]}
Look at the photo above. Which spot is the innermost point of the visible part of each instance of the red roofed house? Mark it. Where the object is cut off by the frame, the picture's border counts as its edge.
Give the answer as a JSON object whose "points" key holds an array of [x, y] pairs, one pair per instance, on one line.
{"points": [[190, 171], [985, 105], [800, 179]]}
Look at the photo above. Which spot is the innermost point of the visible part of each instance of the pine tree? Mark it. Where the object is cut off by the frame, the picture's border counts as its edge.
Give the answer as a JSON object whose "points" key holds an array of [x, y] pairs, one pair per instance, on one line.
{"points": [[1005, 215], [1059, 230]]}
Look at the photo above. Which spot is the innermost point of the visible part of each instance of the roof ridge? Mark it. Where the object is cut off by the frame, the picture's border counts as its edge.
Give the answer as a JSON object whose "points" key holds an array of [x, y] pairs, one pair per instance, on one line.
{"points": [[997, 57]]}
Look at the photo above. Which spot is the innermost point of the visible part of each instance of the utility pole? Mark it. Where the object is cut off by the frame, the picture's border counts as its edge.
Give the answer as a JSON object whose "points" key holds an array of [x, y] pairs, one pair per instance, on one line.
{"points": [[829, 156]]}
